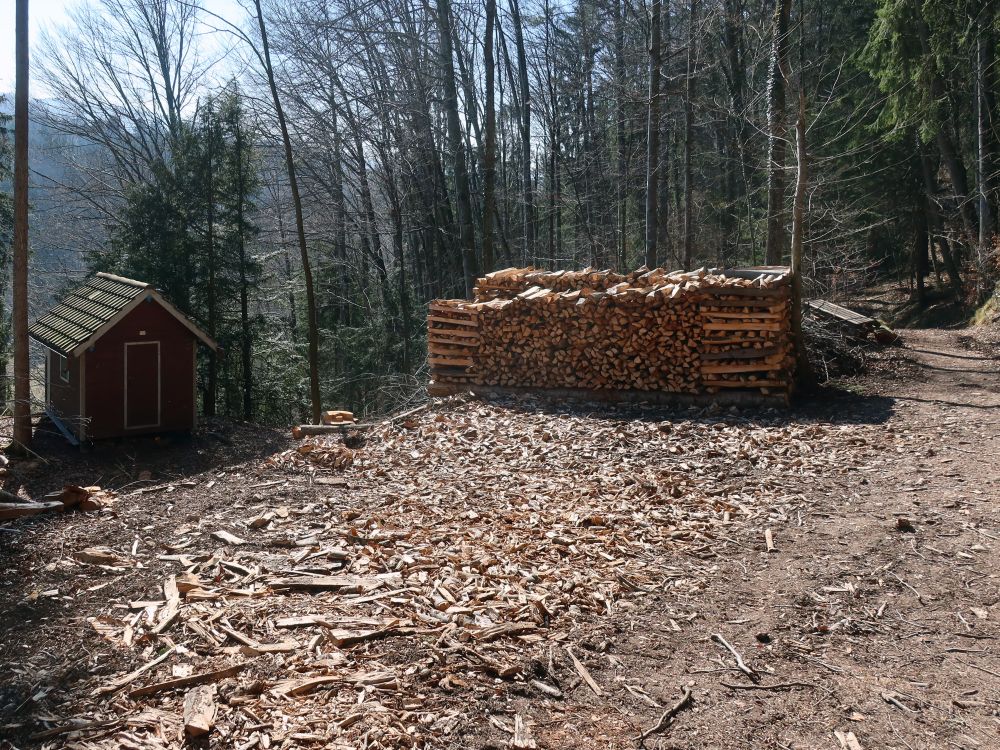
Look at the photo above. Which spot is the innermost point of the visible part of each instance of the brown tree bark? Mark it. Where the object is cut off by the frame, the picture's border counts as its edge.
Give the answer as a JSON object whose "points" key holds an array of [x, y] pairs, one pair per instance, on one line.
{"points": [[490, 138], [653, 135], [934, 220], [525, 112], [22, 384], [689, 88], [311, 323], [621, 178], [804, 370], [777, 80], [463, 199]]}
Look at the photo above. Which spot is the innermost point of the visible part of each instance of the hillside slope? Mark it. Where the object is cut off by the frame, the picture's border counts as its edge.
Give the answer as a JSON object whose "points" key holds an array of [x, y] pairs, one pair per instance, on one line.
{"points": [[482, 574]]}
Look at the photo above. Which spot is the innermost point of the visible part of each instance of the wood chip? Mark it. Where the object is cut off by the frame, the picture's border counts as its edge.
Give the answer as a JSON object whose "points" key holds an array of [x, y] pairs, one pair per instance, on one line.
{"points": [[584, 673], [199, 710]]}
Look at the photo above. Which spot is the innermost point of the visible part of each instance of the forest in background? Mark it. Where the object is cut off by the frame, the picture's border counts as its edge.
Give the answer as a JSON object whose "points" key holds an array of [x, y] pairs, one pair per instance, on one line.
{"points": [[302, 179]]}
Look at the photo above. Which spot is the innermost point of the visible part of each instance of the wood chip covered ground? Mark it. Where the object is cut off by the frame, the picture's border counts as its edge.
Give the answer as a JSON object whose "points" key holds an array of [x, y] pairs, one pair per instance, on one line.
{"points": [[518, 574]]}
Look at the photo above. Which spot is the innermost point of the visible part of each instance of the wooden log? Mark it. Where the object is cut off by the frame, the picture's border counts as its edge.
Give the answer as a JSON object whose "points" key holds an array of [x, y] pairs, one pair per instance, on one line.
{"points": [[190, 681], [309, 430], [451, 321], [199, 710], [9, 511]]}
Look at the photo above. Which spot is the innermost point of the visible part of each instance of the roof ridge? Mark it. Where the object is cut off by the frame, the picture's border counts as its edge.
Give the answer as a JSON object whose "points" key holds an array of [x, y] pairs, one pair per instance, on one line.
{"points": [[122, 279]]}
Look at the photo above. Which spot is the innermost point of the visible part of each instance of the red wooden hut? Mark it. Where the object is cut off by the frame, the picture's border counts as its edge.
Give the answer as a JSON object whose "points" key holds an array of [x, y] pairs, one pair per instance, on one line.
{"points": [[120, 360]]}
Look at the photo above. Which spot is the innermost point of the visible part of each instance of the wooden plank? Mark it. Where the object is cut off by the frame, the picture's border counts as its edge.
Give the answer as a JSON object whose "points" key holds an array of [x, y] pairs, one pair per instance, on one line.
{"points": [[450, 333], [452, 321], [457, 313], [751, 367], [195, 679], [344, 583], [435, 360], [746, 383], [744, 291], [741, 353], [832, 310], [743, 315], [767, 305], [743, 327]]}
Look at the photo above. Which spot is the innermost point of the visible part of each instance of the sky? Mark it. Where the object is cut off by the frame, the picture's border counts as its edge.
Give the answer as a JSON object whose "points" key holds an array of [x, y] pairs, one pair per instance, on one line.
{"points": [[47, 13], [40, 14]]}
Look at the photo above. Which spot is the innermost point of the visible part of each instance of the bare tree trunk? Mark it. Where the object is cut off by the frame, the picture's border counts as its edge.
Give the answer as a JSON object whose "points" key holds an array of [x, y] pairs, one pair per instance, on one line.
{"points": [[621, 179], [946, 145], [689, 85], [246, 337], [525, 111], [313, 330], [919, 259], [664, 246], [804, 374], [653, 134], [211, 393], [462, 197], [22, 384], [777, 78], [490, 140], [934, 220], [983, 160]]}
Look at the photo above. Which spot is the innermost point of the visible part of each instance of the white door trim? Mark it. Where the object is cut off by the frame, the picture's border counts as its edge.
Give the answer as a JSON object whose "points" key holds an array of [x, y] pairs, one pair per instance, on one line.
{"points": [[159, 386]]}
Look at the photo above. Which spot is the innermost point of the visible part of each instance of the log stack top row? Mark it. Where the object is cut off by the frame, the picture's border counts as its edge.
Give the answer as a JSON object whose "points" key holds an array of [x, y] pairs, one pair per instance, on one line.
{"points": [[691, 332], [532, 283]]}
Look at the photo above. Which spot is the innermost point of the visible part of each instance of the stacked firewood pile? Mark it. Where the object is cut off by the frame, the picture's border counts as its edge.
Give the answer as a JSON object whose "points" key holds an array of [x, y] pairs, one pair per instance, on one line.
{"points": [[622, 339], [678, 332], [452, 340], [746, 334], [510, 282]]}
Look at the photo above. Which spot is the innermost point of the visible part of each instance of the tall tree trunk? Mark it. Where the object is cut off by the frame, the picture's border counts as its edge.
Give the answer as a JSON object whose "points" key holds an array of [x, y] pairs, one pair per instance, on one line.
{"points": [[653, 134], [934, 219], [776, 83], [689, 86], [525, 111], [246, 336], [212, 392], [804, 370], [919, 260], [462, 197], [311, 323], [984, 162], [664, 246], [339, 215], [621, 178], [490, 140], [22, 384], [946, 145]]}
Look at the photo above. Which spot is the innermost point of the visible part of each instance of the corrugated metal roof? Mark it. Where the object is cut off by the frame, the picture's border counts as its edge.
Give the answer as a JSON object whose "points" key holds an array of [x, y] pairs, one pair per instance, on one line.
{"points": [[82, 312]]}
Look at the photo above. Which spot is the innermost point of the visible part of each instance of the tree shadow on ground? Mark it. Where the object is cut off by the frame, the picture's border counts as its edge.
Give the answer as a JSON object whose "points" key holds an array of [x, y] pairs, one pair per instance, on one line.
{"points": [[824, 404], [129, 463]]}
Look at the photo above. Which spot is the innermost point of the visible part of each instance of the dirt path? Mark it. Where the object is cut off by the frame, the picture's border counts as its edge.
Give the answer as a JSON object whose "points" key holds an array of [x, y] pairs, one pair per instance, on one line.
{"points": [[891, 633], [875, 616]]}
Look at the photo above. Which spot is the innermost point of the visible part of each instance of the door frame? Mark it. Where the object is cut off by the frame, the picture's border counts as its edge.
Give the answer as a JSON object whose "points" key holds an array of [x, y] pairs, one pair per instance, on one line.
{"points": [[159, 387]]}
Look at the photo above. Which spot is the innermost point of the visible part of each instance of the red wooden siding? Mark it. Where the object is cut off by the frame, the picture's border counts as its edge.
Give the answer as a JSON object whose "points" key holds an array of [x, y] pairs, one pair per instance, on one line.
{"points": [[106, 388], [64, 398]]}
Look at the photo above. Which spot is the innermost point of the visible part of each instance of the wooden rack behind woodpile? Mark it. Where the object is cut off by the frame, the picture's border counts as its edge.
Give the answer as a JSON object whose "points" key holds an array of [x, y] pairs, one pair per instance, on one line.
{"points": [[693, 333]]}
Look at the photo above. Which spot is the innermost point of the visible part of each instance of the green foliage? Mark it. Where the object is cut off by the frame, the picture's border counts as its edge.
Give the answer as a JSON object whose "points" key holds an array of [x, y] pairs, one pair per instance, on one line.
{"points": [[915, 49], [189, 230]]}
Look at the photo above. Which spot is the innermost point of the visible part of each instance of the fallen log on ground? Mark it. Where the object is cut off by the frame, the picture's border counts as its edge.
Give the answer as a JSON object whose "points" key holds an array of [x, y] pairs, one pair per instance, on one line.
{"points": [[309, 430]]}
